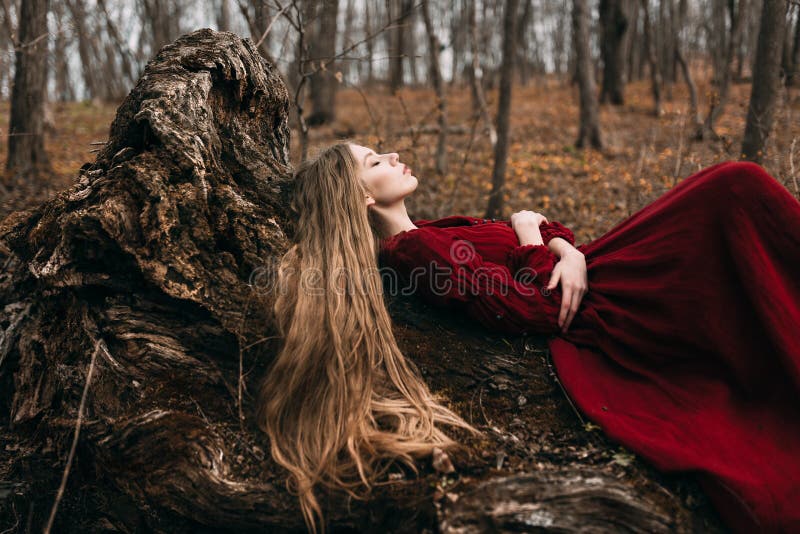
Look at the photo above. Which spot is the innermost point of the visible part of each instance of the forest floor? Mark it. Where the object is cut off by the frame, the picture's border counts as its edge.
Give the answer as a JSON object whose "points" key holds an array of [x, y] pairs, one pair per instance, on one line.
{"points": [[587, 190]]}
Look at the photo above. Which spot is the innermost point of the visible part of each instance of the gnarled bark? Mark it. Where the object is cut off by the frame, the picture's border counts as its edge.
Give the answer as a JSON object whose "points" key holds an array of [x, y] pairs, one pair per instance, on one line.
{"points": [[158, 266]]}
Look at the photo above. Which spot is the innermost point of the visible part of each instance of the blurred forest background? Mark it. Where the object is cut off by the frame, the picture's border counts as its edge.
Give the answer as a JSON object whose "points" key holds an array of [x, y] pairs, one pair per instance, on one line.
{"points": [[583, 110]]}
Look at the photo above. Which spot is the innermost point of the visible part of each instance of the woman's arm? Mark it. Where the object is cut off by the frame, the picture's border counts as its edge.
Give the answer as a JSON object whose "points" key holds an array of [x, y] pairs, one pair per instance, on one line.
{"points": [[444, 269], [559, 245], [526, 224]]}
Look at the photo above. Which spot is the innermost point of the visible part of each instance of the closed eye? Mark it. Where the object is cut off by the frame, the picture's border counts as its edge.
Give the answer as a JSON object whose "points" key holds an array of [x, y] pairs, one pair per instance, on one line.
{"points": [[376, 163]]}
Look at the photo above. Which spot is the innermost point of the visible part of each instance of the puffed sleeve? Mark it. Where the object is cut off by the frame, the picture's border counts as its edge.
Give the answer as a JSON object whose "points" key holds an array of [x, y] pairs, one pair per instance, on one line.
{"points": [[556, 229], [529, 258], [446, 270]]}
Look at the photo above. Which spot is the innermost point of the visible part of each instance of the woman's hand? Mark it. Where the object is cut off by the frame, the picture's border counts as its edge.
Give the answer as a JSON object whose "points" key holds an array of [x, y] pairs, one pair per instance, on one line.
{"points": [[526, 224], [571, 272]]}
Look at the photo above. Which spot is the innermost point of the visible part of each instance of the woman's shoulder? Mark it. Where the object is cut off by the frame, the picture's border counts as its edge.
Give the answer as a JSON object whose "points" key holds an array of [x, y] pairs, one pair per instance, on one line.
{"points": [[454, 220], [434, 230]]}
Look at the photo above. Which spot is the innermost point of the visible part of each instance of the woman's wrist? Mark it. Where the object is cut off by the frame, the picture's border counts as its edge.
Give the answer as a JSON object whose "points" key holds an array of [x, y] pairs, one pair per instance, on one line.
{"points": [[530, 236], [560, 246]]}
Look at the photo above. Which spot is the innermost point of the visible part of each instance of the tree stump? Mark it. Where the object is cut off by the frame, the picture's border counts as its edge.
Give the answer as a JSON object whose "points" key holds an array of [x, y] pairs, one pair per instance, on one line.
{"points": [[156, 269]]}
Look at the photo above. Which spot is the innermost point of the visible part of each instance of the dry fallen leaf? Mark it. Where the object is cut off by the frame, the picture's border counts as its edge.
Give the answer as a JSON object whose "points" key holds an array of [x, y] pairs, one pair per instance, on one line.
{"points": [[441, 461]]}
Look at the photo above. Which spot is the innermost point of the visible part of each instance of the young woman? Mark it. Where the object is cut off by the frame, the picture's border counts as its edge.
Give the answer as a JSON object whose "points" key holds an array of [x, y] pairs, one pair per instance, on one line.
{"points": [[676, 331]]}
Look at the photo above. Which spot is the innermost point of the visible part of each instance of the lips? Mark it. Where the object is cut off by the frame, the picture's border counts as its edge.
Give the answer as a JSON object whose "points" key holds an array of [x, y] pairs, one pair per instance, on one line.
{"points": [[406, 169]]}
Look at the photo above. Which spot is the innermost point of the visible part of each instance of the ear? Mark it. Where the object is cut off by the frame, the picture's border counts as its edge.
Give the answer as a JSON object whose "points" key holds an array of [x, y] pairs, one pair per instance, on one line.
{"points": [[370, 200]]}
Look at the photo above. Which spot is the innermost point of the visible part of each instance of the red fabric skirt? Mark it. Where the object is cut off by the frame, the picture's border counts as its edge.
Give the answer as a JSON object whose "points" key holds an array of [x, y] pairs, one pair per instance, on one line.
{"points": [[686, 348]]}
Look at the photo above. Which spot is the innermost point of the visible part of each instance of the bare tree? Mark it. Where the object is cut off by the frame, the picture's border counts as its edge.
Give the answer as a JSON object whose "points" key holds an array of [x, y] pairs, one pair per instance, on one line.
{"points": [[87, 41], [589, 129], [434, 68], [614, 24], [633, 42], [65, 91], [664, 39], [476, 75], [223, 15], [411, 42], [257, 15], [561, 50], [126, 58], [497, 195], [27, 159], [163, 19], [370, 44], [524, 54], [794, 71], [724, 63], [458, 37], [399, 10], [323, 83], [348, 37], [694, 110], [766, 80], [655, 65]]}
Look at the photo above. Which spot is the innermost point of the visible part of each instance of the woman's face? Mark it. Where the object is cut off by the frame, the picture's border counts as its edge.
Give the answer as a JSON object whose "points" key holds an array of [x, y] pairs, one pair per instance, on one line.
{"points": [[386, 179]]}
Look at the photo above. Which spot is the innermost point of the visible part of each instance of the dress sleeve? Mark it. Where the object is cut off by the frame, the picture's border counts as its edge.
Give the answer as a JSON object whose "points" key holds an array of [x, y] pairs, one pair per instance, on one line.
{"points": [[556, 229], [446, 270], [530, 258]]}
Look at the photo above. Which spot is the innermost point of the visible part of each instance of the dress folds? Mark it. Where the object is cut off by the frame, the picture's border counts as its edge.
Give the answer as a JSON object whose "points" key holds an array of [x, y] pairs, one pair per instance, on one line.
{"points": [[686, 347]]}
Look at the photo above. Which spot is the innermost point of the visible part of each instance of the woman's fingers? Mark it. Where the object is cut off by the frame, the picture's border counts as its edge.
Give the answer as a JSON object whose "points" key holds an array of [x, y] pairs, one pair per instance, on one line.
{"points": [[566, 301], [573, 310], [554, 277], [573, 307], [566, 309]]}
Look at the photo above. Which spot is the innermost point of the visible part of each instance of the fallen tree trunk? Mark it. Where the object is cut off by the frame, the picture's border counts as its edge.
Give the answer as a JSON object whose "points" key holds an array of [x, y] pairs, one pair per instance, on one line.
{"points": [[156, 268]]}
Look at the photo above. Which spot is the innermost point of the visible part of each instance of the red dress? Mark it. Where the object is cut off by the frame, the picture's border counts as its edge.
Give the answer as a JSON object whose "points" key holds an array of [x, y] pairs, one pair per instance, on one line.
{"points": [[685, 349]]}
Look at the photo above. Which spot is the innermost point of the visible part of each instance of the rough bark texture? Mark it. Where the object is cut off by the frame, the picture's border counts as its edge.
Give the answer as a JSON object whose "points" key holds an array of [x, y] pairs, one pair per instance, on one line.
{"points": [[159, 262], [589, 128], [766, 80]]}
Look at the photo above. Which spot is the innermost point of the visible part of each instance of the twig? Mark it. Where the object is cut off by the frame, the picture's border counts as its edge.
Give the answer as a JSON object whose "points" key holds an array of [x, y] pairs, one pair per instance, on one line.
{"points": [[74, 446], [240, 383], [680, 151], [373, 121], [472, 400], [480, 404], [791, 167], [460, 174], [13, 527], [269, 26], [254, 343], [199, 409]]}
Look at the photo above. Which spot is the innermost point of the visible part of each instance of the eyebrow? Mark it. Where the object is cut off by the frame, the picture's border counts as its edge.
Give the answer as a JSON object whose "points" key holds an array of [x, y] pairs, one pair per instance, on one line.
{"points": [[368, 154]]}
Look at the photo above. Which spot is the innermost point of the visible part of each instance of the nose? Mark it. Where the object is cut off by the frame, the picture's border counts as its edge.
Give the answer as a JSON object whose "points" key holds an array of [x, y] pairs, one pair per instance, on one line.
{"points": [[394, 157]]}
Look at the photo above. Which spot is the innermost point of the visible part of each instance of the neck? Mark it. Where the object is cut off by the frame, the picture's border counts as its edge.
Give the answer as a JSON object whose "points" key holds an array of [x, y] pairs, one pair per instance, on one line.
{"points": [[392, 219]]}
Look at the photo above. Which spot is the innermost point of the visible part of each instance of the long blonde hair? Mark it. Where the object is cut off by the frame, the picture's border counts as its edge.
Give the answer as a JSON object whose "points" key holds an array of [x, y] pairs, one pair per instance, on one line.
{"points": [[340, 397]]}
